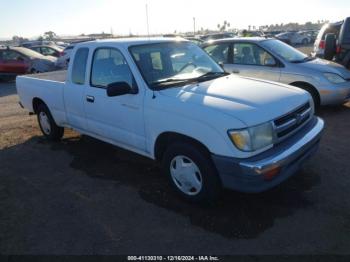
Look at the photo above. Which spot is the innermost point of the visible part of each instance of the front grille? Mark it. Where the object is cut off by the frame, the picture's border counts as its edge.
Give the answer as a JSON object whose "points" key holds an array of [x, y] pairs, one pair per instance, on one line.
{"points": [[290, 122]]}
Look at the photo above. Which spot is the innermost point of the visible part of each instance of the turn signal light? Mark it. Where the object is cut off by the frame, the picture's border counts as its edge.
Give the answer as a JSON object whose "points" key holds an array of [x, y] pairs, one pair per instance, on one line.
{"points": [[271, 174]]}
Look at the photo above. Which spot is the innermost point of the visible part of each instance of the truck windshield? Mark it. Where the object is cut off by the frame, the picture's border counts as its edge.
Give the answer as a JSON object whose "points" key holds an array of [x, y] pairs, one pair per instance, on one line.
{"points": [[284, 51], [174, 63]]}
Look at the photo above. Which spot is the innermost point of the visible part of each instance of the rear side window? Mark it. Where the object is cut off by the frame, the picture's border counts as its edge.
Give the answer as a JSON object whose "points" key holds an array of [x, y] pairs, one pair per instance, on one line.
{"points": [[219, 52], [79, 66]]}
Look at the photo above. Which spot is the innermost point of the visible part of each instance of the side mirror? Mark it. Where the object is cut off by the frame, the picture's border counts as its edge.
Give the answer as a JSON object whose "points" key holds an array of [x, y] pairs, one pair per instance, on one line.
{"points": [[269, 62], [119, 89], [222, 65]]}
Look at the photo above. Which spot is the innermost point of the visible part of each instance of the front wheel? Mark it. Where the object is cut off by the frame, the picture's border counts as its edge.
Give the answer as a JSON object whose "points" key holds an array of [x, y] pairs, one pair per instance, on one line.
{"points": [[191, 172], [47, 124]]}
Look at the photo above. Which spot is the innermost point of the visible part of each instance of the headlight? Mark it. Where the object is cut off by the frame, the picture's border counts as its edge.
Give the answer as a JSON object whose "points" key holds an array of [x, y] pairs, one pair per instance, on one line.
{"points": [[254, 138], [334, 78]]}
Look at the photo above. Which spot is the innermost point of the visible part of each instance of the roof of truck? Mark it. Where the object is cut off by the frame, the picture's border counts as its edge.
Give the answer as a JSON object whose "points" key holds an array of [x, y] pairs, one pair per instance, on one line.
{"points": [[133, 41]]}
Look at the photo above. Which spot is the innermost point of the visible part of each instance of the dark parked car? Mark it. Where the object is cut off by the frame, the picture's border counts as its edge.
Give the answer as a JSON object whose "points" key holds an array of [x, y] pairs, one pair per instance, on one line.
{"points": [[333, 42], [48, 50], [195, 40], [272, 33], [29, 44], [20, 60], [217, 36]]}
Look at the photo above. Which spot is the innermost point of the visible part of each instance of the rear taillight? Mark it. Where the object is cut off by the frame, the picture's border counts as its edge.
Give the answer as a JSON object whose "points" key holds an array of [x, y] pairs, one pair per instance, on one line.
{"points": [[322, 44], [338, 49]]}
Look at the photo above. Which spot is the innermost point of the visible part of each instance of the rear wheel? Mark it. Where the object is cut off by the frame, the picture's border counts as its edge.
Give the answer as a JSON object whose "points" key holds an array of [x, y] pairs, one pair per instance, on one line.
{"points": [[34, 71], [305, 41], [47, 124], [191, 172]]}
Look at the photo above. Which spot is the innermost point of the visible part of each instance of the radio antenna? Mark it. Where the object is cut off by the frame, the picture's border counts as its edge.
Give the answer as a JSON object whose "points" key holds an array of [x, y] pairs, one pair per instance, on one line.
{"points": [[147, 21]]}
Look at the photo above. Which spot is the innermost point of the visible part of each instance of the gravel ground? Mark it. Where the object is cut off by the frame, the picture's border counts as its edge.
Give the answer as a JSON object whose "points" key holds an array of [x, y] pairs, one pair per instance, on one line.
{"points": [[82, 196]]}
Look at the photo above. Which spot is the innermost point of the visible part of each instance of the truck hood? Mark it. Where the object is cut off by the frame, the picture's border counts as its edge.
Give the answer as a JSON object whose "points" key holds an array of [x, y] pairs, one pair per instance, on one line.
{"points": [[326, 66], [248, 100]]}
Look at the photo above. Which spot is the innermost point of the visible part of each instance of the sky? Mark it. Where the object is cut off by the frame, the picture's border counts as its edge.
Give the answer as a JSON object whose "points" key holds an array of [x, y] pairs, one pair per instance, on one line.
{"points": [[73, 17]]}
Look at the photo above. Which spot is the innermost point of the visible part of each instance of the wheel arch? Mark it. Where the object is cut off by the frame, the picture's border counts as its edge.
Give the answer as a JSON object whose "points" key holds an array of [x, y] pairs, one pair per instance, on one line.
{"points": [[307, 87], [167, 138], [36, 103]]}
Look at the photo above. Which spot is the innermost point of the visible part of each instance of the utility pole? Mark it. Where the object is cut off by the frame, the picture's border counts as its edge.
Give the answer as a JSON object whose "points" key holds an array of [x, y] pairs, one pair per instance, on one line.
{"points": [[194, 26], [147, 20]]}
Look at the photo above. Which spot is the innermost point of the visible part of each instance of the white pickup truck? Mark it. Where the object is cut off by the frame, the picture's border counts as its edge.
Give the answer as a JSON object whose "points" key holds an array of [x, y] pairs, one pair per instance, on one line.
{"points": [[168, 100]]}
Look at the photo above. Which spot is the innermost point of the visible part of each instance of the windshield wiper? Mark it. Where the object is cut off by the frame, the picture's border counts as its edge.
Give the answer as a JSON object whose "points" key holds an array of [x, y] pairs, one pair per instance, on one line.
{"points": [[211, 75], [170, 82]]}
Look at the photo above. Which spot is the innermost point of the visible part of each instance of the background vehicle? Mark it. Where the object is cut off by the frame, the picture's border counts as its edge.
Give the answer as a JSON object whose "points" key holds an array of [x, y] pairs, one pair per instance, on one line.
{"points": [[195, 40], [210, 37], [271, 59], [246, 33], [48, 50], [29, 44], [150, 95], [19, 60], [63, 60], [294, 38], [335, 38], [272, 33], [320, 43], [311, 34]]}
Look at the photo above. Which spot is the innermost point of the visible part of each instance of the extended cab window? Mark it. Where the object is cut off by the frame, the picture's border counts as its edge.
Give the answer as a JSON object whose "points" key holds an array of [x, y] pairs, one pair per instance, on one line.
{"points": [[219, 52], [109, 66], [79, 66]]}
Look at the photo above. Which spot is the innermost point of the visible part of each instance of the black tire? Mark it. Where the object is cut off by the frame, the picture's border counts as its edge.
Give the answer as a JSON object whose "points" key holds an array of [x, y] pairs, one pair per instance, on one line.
{"points": [[211, 184], [34, 71], [305, 41], [330, 47], [315, 97], [55, 132]]}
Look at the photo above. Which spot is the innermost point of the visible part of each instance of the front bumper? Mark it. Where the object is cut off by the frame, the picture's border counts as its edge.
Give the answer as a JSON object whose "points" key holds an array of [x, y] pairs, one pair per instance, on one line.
{"points": [[249, 175], [335, 94]]}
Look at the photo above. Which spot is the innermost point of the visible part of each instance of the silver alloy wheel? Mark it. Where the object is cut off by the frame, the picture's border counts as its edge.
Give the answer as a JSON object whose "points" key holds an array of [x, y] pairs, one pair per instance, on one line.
{"points": [[45, 123], [186, 175]]}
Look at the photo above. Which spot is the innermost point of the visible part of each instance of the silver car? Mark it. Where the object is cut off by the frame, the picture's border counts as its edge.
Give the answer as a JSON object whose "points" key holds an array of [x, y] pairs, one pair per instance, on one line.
{"points": [[270, 59], [294, 38]]}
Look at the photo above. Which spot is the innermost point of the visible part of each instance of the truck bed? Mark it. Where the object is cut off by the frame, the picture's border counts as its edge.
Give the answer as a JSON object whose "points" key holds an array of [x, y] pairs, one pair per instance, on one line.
{"points": [[57, 76]]}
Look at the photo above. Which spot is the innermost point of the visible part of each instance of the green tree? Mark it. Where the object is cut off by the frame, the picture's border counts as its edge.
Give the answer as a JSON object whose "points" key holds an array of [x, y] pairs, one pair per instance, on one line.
{"points": [[50, 35]]}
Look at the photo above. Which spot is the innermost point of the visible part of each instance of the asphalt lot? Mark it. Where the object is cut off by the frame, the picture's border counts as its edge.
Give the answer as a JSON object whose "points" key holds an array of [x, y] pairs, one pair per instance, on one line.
{"points": [[82, 196]]}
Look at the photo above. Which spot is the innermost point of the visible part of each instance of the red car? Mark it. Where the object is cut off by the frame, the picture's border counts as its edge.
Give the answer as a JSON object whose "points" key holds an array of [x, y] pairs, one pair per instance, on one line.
{"points": [[19, 60]]}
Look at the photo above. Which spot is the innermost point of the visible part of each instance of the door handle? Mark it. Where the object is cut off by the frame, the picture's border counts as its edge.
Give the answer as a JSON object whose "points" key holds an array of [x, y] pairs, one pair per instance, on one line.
{"points": [[90, 99], [235, 71]]}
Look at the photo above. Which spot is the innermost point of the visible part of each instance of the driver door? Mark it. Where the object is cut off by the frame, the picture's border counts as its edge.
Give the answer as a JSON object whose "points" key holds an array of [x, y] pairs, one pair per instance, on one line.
{"points": [[118, 119]]}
